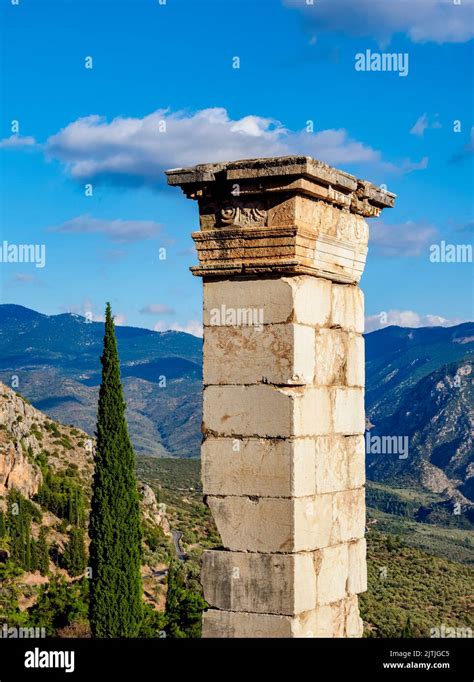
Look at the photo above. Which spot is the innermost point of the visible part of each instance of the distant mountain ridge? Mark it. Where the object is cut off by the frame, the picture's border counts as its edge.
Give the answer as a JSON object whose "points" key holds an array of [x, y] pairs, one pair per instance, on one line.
{"points": [[57, 361]]}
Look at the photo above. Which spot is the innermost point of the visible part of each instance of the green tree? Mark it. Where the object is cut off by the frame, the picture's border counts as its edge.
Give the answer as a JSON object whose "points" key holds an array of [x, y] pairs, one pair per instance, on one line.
{"points": [[75, 553], [390, 544], [3, 526], [407, 630], [184, 606], [60, 604], [153, 623], [42, 552], [114, 528], [19, 528], [27, 540], [33, 555]]}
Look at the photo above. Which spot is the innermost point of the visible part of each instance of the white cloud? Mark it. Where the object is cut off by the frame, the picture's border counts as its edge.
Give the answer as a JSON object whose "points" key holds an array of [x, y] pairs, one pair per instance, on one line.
{"points": [[87, 309], [120, 319], [422, 124], [136, 151], [405, 239], [406, 166], [467, 150], [23, 277], [120, 231], [406, 318], [191, 327], [439, 21], [15, 141], [157, 309]]}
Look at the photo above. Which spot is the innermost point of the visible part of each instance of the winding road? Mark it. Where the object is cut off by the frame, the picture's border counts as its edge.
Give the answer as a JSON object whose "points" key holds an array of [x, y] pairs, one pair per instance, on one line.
{"points": [[180, 553]]}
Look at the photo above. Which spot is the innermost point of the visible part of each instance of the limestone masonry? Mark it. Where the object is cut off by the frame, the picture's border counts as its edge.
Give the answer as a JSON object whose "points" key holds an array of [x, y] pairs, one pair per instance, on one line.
{"points": [[281, 249]]}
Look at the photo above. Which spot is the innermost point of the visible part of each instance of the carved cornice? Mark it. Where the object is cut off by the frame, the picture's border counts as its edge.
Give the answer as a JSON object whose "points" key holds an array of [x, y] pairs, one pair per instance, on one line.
{"points": [[287, 214]]}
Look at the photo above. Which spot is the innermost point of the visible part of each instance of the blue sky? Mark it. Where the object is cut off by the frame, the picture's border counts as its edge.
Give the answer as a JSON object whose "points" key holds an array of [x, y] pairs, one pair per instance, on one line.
{"points": [[173, 62]]}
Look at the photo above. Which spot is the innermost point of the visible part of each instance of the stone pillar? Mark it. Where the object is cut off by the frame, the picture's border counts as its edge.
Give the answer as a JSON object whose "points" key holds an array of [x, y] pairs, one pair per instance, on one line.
{"points": [[281, 249]]}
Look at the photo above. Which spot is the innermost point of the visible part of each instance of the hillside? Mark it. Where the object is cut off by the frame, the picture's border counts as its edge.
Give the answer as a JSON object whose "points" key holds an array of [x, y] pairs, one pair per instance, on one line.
{"points": [[397, 358], [435, 416], [45, 485], [56, 360], [429, 567], [418, 387], [52, 464]]}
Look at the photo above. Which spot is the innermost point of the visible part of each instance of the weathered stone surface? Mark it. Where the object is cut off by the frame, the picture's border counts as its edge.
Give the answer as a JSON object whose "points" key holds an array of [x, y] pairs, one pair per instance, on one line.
{"points": [[302, 300], [269, 524], [256, 214], [330, 357], [339, 358], [280, 172], [266, 411], [339, 463], [258, 466], [347, 308], [276, 353], [283, 584], [331, 566], [282, 244], [355, 360], [354, 626], [340, 619], [357, 574], [262, 583], [349, 515], [232, 624], [348, 411], [255, 524]]}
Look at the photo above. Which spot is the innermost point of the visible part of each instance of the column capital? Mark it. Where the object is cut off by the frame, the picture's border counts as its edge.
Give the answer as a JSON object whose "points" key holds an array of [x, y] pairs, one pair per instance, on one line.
{"points": [[282, 215]]}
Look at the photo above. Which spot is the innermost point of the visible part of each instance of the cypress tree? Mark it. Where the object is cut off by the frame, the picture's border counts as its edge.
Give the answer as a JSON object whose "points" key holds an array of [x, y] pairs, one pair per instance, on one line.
{"points": [[407, 630], [114, 527], [42, 552], [184, 606], [75, 552], [33, 555], [3, 526]]}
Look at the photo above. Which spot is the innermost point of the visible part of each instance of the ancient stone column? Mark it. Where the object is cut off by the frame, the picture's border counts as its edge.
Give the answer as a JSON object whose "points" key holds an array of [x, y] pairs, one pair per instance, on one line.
{"points": [[281, 249]]}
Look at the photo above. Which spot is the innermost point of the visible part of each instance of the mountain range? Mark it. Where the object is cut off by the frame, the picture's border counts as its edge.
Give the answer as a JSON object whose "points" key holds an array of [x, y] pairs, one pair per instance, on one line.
{"points": [[418, 385]]}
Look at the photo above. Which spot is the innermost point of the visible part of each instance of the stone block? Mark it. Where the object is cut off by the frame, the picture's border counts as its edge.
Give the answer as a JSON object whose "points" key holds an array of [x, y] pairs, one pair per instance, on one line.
{"points": [[236, 625], [274, 353], [347, 309], [339, 462], [331, 566], [283, 584], [348, 411], [258, 466], [349, 515], [302, 299], [268, 411], [331, 357], [357, 553], [340, 619], [355, 360], [269, 524]]}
